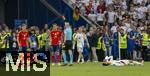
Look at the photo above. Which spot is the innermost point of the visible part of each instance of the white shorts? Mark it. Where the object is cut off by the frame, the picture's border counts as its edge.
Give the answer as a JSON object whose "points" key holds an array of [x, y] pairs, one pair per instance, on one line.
{"points": [[117, 63], [80, 49]]}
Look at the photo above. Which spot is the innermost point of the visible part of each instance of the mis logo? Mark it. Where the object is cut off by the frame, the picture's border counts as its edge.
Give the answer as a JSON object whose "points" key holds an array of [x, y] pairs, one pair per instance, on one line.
{"points": [[26, 59]]}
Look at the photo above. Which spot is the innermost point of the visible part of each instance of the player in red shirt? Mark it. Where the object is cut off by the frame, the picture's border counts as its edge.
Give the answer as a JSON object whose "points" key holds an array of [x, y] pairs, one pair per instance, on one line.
{"points": [[56, 36], [22, 38]]}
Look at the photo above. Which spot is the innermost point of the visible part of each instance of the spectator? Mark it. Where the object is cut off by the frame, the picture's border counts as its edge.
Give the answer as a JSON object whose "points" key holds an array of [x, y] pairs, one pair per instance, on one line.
{"points": [[132, 12], [89, 37], [92, 17], [119, 14], [137, 47], [101, 7], [76, 14], [100, 17], [101, 47], [107, 40], [89, 8], [123, 44], [115, 27], [94, 39], [111, 15], [108, 2], [145, 38]]}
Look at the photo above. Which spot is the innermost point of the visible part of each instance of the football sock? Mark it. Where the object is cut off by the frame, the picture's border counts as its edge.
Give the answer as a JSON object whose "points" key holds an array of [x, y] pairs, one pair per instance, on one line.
{"points": [[55, 58], [59, 58], [64, 57], [71, 59], [52, 58]]}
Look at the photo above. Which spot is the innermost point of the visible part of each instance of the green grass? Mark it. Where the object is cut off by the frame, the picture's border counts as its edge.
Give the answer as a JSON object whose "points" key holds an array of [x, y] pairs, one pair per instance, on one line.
{"points": [[96, 69]]}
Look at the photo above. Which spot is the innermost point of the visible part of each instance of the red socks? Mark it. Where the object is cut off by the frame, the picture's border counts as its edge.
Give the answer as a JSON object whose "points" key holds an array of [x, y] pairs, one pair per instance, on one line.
{"points": [[52, 58], [58, 58]]}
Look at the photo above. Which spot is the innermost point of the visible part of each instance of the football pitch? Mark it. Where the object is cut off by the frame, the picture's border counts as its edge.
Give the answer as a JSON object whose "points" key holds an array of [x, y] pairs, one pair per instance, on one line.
{"points": [[96, 69]]}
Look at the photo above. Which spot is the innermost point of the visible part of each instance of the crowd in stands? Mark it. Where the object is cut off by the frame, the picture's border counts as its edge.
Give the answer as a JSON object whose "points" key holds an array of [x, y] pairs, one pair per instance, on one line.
{"points": [[110, 11], [131, 17]]}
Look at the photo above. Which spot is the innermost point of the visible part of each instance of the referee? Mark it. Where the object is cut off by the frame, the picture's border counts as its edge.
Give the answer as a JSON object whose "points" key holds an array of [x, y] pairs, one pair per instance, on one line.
{"points": [[67, 44]]}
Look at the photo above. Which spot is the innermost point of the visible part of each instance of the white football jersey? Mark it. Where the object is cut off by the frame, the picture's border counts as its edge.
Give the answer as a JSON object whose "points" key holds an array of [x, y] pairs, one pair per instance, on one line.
{"points": [[80, 39]]}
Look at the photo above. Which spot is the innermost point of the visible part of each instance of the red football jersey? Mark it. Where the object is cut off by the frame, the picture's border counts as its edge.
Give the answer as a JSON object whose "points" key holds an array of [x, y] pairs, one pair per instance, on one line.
{"points": [[23, 38], [56, 37]]}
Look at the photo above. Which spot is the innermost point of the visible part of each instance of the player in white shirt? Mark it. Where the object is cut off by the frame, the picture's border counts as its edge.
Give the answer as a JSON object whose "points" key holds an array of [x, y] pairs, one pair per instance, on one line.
{"points": [[80, 38], [109, 61]]}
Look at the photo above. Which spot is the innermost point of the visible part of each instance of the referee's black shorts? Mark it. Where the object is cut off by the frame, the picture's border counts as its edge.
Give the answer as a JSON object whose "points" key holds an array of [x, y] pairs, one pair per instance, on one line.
{"points": [[68, 45]]}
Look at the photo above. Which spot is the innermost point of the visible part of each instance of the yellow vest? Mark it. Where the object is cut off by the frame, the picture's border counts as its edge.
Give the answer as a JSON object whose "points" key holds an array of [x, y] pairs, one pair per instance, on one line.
{"points": [[123, 42], [39, 37], [74, 39], [43, 39], [145, 39], [101, 45], [2, 44]]}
